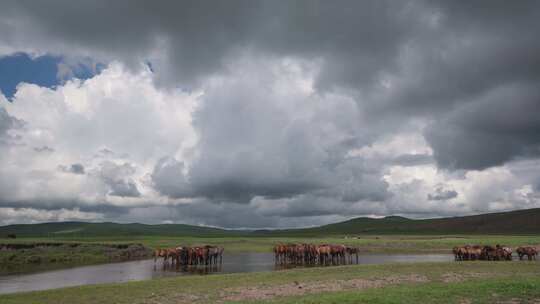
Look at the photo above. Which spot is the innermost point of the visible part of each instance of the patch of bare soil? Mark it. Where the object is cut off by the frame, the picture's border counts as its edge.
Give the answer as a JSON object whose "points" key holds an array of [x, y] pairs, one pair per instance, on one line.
{"points": [[519, 301], [175, 298], [453, 277], [255, 293]]}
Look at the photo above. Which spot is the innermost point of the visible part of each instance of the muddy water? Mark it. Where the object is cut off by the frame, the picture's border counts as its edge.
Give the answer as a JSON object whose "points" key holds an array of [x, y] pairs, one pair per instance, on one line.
{"points": [[146, 269]]}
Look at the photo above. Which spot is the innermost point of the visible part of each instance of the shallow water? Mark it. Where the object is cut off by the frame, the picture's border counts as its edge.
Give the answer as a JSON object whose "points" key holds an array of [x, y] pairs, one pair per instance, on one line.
{"points": [[146, 269]]}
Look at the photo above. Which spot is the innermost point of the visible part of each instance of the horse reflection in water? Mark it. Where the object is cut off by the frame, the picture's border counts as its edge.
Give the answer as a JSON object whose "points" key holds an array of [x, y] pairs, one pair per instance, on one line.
{"points": [[190, 269], [310, 254], [197, 255]]}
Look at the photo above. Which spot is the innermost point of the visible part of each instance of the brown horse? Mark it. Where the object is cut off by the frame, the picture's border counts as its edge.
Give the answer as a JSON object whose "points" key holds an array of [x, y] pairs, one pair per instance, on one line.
{"points": [[324, 252], [473, 252], [311, 253], [337, 252], [171, 253], [503, 253], [489, 253], [460, 253], [528, 251], [350, 251], [158, 253], [279, 253], [202, 255], [214, 253], [299, 253]]}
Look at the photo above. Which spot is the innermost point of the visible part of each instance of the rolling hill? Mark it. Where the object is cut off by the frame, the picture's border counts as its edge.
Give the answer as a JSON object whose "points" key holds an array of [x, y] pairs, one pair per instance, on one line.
{"points": [[84, 229], [514, 222], [525, 221]]}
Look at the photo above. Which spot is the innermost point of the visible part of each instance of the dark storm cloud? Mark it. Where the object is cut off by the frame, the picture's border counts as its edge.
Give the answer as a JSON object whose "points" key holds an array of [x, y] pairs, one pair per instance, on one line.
{"points": [[77, 168], [441, 194], [73, 168], [45, 149], [58, 204], [169, 179], [118, 178], [469, 71], [413, 159], [490, 130], [356, 40], [8, 122], [445, 54]]}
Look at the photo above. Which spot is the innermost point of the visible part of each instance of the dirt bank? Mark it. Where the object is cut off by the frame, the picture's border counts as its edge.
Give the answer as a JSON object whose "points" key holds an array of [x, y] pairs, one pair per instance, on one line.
{"points": [[30, 257]]}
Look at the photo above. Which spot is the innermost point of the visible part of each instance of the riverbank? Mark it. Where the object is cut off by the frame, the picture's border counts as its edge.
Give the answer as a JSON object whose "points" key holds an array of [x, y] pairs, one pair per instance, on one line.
{"points": [[25, 257], [453, 282]]}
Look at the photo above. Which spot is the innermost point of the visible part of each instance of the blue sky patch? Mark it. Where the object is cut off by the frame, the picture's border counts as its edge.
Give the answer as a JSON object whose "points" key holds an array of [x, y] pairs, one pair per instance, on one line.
{"points": [[42, 71]]}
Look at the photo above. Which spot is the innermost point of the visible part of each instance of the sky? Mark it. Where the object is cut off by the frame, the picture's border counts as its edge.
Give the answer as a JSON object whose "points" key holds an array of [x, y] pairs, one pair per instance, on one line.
{"points": [[267, 114]]}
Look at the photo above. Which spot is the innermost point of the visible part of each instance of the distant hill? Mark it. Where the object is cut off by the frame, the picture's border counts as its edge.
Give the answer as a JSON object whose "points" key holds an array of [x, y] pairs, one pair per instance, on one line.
{"points": [[514, 222], [84, 229]]}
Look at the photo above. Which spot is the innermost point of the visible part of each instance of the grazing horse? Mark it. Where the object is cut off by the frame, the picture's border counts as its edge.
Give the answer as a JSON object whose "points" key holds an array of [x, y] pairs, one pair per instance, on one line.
{"points": [[460, 253], [350, 251], [337, 252], [299, 253], [324, 252], [280, 253], [165, 254], [528, 251], [214, 253], [158, 253], [202, 254], [220, 253], [192, 256], [507, 252], [181, 255], [311, 252], [171, 253], [456, 253], [474, 252], [489, 253], [277, 253], [503, 252]]}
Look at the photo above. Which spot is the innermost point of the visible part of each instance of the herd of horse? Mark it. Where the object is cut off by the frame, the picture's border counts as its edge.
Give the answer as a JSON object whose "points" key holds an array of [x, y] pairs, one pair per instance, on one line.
{"points": [[185, 255], [311, 254], [327, 254], [492, 253]]}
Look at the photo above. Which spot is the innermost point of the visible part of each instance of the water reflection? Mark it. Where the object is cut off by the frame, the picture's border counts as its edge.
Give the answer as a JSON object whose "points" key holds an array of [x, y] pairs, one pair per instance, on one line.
{"points": [[188, 269]]}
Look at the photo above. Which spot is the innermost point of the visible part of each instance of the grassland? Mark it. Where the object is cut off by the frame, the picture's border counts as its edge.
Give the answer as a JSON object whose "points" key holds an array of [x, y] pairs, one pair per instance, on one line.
{"points": [[367, 243], [455, 282]]}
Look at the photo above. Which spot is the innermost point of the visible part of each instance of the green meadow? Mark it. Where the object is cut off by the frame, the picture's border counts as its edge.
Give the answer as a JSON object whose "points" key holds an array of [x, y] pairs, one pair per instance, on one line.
{"points": [[455, 282], [367, 243]]}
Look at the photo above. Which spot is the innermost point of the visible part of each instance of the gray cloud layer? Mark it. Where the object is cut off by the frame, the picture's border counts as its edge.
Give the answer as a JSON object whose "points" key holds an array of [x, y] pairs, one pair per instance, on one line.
{"points": [[296, 98]]}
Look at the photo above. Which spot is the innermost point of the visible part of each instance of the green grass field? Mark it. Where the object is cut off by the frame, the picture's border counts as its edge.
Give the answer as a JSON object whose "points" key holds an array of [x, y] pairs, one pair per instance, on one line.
{"points": [[455, 282], [368, 243]]}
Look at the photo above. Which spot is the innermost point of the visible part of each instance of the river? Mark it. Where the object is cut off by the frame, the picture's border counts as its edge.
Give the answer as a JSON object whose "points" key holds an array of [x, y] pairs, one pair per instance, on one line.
{"points": [[146, 269]]}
